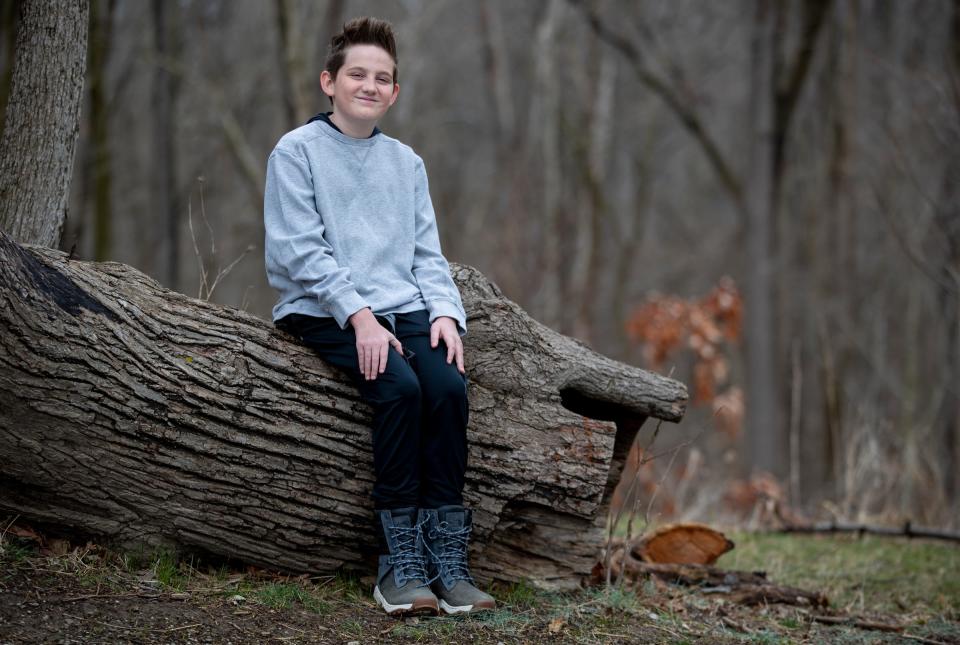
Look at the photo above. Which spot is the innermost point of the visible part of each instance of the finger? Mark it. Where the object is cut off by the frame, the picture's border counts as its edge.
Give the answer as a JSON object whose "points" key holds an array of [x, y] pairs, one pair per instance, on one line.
{"points": [[451, 350], [361, 362], [397, 346], [374, 362], [460, 357], [383, 356], [434, 335]]}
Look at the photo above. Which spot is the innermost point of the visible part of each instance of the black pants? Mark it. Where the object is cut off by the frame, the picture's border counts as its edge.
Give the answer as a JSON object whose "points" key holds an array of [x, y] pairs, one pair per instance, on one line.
{"points": [[420, 409]]}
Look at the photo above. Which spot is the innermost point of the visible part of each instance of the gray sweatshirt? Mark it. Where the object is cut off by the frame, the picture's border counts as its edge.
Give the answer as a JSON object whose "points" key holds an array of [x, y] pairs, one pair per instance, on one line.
{"points": [[349, 224]]}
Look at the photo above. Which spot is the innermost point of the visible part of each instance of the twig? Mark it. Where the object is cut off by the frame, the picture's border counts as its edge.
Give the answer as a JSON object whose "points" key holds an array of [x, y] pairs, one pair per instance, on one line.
{"points": [[207, 289], [140, 627], [177, 629], [196, 250], [734, 625], [853, 621], [111, 595], [222, 273], [921, 639], [7, 527]]}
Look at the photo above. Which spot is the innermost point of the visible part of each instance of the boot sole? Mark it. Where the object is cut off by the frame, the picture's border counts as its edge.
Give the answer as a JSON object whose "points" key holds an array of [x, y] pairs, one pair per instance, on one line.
{"points": [[464, 609], [419, 607]]}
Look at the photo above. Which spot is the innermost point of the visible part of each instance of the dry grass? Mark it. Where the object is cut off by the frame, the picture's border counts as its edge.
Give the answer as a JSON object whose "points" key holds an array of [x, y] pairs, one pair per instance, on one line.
{"points": [[87, 593]]}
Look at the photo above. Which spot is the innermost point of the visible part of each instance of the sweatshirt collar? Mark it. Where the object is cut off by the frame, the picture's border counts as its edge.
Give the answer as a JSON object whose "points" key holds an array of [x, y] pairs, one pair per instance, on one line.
{"points": [[338, 133]]}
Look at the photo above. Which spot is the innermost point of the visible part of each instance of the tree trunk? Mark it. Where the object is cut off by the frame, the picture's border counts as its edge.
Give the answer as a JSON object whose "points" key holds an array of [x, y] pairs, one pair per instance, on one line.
{"points": [[764, 430], [164, 185], [101, 26], [42, 119], [8, 33], [136, 414], [291, 64], [948, 223]]}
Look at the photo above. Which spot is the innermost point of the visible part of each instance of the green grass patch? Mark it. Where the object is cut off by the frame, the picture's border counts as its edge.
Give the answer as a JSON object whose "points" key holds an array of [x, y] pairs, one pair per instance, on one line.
{"points": [[858, 574], [281, 595], [13, 551], [518, 596], [167, 570]]}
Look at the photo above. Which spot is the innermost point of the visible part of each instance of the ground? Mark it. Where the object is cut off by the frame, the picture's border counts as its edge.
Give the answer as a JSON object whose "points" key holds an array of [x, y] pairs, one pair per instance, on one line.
{"points": [[86, 594]]}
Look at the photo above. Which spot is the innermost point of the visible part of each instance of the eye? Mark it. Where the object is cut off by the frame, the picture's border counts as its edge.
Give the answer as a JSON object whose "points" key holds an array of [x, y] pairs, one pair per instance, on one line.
{"points": [[356, 75]]}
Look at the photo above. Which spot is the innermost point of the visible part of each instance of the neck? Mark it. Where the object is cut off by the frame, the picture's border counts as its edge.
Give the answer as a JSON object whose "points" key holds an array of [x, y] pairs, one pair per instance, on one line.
{"points": [[355, 129]]}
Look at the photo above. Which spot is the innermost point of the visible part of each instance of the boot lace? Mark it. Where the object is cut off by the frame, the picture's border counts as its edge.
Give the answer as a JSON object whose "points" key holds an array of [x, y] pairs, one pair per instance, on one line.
{"points": [[410, 564], [453, 551]]}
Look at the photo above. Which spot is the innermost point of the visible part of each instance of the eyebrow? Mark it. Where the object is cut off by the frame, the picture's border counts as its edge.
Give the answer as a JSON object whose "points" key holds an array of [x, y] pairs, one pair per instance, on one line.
{"points": [[358, 68]]}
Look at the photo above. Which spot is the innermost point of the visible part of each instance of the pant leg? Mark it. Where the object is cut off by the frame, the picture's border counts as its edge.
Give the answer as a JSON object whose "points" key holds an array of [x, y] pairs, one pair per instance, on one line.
{"points": [[396, 400], [443, 439]]}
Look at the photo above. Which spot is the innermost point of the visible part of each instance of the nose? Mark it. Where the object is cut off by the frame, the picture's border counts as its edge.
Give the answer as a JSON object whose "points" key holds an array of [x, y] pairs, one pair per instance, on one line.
{"points": [[370, 85]]}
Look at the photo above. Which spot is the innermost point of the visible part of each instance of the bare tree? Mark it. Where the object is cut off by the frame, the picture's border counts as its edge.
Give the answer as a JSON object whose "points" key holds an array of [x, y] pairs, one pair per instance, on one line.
{"points": [[292, 63], [765, 434], [948, 226], [545, 117], [8, 28], [42, 119], [101, 26], [165, 90]]}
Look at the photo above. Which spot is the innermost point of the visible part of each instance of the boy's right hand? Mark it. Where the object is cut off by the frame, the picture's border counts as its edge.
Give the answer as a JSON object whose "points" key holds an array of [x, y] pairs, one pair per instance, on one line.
{"points": [[373, 343]]}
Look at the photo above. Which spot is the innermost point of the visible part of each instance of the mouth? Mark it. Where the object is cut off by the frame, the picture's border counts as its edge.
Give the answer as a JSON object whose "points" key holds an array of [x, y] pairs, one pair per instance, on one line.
{"points": [[366, 100]]}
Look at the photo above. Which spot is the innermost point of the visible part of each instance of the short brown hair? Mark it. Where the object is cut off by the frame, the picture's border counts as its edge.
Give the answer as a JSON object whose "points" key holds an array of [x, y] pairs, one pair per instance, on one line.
{"points": [[361, 31]]}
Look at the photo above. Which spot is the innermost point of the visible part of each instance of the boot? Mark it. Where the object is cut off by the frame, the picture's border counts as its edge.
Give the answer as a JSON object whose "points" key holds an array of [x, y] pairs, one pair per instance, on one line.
{"points": [[402, 588], [447, 535]]}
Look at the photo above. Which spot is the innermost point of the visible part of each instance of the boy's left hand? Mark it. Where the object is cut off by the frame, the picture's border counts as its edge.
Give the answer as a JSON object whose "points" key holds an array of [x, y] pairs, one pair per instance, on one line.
{"points": [[446, 328]]}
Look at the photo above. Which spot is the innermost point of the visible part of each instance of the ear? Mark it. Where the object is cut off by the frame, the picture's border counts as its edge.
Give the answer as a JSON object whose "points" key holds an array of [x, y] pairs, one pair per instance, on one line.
{"points": [[326, 83], [396, 93]]}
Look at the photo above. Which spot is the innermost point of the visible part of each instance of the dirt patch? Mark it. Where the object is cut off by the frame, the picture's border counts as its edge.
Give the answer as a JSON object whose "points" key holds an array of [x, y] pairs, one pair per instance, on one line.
{"points": [[90, 595]]}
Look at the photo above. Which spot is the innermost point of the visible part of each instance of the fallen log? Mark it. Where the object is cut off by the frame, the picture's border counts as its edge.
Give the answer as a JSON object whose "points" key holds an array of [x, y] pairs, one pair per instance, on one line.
{"points": [[135, 414], [907, 530]]}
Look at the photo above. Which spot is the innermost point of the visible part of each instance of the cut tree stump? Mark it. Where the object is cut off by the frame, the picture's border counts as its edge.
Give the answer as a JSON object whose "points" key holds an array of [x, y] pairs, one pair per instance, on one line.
{"points": [[627, 563], [682, 543], [135, 414]]}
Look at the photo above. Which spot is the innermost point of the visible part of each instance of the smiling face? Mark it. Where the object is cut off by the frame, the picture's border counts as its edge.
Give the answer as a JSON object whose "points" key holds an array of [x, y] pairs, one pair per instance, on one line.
{"points": [[363, 89]]}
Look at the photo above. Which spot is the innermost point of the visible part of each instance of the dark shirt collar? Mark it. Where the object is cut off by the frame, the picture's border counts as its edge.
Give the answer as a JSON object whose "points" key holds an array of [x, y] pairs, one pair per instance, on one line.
{"points": [[325, 117]]}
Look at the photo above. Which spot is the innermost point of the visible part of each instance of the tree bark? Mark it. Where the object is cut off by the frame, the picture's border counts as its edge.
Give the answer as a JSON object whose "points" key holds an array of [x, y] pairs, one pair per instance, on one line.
{"points": [[42, 119], [136, 414]]}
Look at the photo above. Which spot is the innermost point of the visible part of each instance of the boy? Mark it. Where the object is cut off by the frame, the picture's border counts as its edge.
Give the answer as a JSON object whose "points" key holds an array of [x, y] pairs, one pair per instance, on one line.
{"points": [[352, 248]]}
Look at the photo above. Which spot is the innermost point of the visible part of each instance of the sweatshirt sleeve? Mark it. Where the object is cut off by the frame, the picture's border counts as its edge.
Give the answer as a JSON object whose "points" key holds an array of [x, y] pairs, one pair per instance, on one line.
{"points": [[294, 237], [430, 268]]}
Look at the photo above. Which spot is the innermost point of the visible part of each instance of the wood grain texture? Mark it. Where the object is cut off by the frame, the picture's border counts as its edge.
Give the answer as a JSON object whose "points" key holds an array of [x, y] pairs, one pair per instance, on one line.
{"points": [[140, 415]]}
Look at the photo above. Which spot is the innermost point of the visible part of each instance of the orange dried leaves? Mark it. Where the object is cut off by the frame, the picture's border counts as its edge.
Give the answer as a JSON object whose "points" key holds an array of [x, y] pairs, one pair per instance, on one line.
{"points": [[664, 324]]}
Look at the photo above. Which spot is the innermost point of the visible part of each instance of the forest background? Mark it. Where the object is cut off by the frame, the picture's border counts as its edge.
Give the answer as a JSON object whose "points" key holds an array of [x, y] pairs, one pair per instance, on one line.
{"points": [[759, 197]]}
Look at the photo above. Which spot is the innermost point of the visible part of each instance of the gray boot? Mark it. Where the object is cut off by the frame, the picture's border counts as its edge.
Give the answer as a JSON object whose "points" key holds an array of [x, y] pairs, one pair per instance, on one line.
{"points": [[402, 588], [447, 535]]}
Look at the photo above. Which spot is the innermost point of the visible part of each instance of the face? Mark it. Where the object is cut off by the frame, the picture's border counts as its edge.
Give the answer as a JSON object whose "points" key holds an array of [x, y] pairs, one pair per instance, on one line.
{"points": [[363, 90]]}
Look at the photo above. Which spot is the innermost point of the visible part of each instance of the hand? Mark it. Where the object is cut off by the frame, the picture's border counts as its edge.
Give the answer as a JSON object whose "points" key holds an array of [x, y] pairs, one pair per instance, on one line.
{"points": [[446, 328], [373, 343]]}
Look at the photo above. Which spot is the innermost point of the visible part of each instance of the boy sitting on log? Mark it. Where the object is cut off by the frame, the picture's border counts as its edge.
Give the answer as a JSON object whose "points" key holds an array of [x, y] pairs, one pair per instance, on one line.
{"points": [[353, 250]]}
